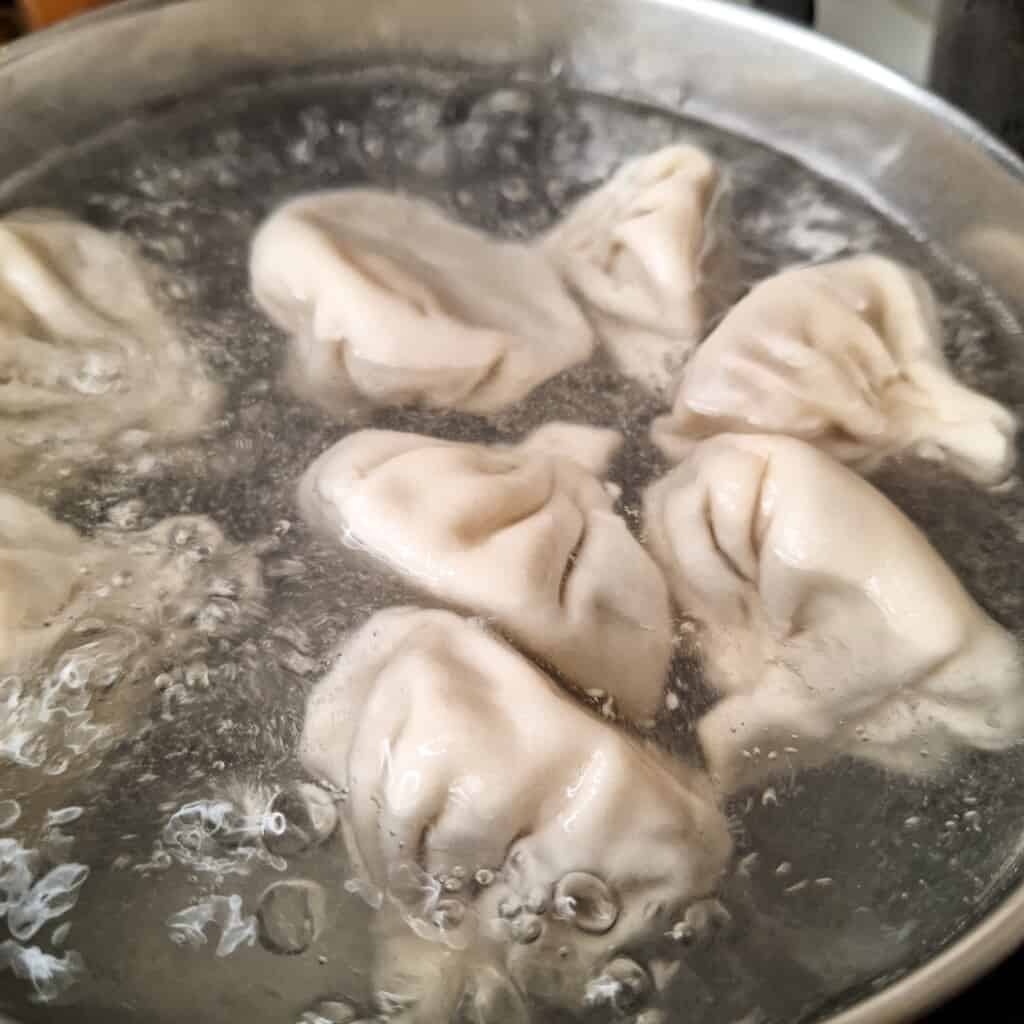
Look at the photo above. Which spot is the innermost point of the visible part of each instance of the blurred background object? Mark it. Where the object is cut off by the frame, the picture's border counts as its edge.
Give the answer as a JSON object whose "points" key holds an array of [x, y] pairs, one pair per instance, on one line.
{"points": [[36, 14], [970, 52], [897, 33], [8, 21], [978, 63]]}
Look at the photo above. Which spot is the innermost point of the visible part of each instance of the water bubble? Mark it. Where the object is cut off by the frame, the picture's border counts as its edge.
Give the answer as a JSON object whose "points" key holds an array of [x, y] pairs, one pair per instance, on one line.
{"points": [[188, 926], [515, 190], [509, 907], [623, 985], [63, 816], [484, 877], [98, 373], [538, 900], [369, 894], [291, 916], [308, 816], [330, 1011], [52, 896], [449, 913], [10, 812], [50, 976], [526, 929], [10, 691]]}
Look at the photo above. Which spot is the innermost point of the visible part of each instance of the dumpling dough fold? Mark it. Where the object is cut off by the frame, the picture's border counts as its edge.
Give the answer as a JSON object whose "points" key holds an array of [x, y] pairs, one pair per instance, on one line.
{"points": [[526, 536], [828, 622], [386, 297], [634, 251], [457, 753], [85, 355], [848, 356]]}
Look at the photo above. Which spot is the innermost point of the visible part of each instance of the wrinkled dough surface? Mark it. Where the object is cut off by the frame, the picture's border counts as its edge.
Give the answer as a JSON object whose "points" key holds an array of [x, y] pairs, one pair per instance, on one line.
{"points": [[524, 536], [848, 356], [634, 252], [457, 753], [387, 298], [829, 623], [87, 624], [86, 358]]}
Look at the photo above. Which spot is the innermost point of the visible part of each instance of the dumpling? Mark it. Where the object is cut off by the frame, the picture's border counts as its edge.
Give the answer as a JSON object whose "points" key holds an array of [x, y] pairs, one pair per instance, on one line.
{"points": [[527, 536], [460, 759], [86, 358], [39, 561], [827, 621], [87, 624], [847, 356], [634, 252], [385, 297]]}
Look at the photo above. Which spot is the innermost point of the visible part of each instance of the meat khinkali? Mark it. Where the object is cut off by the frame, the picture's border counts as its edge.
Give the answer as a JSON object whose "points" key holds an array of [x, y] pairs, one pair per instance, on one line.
{"points": [[827, 621], [386, 297], [39, 560], [86, 358], [460, 759], [635, 250], [86, 624], [527, 536], [847, 356]]}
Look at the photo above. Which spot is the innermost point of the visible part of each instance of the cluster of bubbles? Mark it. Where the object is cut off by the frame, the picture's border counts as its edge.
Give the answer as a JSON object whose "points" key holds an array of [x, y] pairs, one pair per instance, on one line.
{"points": [[220, 837], [212, 836], [34, 891], [188, 926], [45, 725]]}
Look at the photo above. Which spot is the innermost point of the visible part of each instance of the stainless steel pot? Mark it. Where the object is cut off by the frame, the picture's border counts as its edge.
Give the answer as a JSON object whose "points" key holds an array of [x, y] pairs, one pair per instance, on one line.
{"points": [[925, 166]]}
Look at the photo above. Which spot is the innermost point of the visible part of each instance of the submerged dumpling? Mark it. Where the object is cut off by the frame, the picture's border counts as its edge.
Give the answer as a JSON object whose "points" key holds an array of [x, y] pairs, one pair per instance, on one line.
{"points": [[87, 624], [386, 297], [527, 536], [634, 251], [847, 356], [39, 561], [460, 759], [828, 622], [86, 358]]}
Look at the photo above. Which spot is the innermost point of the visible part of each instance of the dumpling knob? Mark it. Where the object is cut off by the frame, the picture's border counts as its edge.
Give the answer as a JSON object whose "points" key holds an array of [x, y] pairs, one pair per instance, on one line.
{"points": [[585, 900]]}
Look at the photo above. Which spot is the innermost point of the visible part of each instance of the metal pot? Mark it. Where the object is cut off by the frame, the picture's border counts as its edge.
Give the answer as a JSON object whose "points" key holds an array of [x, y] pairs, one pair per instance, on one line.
{"points": [[927, 168]]}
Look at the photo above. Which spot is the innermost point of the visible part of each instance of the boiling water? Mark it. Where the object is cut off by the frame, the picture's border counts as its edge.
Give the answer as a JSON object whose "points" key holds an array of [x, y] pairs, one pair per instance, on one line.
{"points": [[132, 852]]}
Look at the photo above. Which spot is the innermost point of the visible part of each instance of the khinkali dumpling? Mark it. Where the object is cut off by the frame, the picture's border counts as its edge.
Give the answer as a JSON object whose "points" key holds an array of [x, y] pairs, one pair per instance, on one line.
{"points": [[461, 759], [39, 561], [634, 252], [847, 356], [386, 297], [86, 625], [86, 358], [526, 536], [827, 621]]}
